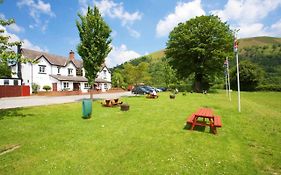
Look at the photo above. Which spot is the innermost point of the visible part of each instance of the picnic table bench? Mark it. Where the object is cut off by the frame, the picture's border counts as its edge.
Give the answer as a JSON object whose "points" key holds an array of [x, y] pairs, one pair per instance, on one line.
{"points": [[204, 113], [152, 96], [111, 102]]}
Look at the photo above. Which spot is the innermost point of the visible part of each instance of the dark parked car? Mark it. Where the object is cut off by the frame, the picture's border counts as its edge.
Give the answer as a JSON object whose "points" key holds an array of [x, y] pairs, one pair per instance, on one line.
{"points": [[140, 90], [148, 88]]}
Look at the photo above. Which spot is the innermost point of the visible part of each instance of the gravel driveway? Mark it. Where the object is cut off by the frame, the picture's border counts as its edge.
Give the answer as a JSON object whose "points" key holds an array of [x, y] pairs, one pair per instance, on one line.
{"points": [[15, 102]]}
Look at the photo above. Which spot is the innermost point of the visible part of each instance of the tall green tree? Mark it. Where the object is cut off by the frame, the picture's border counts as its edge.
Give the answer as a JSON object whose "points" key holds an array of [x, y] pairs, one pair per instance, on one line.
{"points": [[117, 79], [199, 46], [134, 75], [94, 43]]}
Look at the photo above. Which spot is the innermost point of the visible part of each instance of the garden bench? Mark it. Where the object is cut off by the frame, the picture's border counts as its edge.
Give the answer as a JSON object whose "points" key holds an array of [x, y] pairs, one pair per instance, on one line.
{"points": [[217, 121], [191, 119]]}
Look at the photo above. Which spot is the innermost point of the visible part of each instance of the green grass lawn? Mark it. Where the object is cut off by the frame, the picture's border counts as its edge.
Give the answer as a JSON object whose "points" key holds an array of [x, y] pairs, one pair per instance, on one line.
{"points": [[148, 139]]}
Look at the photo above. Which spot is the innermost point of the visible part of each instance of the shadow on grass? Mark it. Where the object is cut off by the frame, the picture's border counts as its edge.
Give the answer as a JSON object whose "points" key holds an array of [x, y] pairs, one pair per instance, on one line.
{"points": [[196, 128], [16, 112]]}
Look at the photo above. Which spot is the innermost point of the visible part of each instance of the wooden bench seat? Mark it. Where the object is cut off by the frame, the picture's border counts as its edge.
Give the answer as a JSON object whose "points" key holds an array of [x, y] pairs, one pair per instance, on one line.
{"points": [[217, 121], [190, 119]]}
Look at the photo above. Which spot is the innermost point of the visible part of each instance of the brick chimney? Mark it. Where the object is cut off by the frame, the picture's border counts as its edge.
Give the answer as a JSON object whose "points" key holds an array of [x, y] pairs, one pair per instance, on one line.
{"points": [[71, 55]]}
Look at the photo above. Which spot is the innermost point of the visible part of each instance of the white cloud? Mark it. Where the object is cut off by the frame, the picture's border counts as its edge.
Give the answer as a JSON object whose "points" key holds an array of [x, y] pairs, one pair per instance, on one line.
{"points": [[26, 42], [247, 15], [183, 12], [119, 55], [115, 11], [276, 28], [247, 11], [36, 9], [133, 32], [15, 28], [252, 30]]}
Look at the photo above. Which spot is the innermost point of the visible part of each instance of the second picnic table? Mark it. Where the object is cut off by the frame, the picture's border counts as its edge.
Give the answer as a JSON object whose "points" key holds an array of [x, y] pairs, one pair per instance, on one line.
{"points": [[205, 113]]}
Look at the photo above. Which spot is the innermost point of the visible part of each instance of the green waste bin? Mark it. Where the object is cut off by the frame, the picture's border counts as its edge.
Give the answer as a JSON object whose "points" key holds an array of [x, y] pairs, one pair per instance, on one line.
{"points": [[87, 108]]}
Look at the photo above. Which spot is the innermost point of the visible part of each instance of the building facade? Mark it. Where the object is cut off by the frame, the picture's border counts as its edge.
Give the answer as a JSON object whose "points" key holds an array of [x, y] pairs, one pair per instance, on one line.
{"points": [[58, 72]]}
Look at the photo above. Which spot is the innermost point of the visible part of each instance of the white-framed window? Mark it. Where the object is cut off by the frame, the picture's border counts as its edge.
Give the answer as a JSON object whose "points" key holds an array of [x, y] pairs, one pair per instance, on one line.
{"points": [[104, 74], [16, 82], [65, 85], [6, 82], [86, 86], [70, 71], [105, 86], [58, 70], [42, 69]]}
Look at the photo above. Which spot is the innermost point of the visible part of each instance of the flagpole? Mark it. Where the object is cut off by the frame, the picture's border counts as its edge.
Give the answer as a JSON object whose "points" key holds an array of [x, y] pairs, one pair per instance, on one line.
{"points": [[227, 68], [237, 66], [226, 93]]}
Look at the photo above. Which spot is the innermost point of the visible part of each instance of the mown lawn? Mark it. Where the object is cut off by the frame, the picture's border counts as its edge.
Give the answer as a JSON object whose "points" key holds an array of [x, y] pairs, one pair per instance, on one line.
{"points": [[150, 138]]}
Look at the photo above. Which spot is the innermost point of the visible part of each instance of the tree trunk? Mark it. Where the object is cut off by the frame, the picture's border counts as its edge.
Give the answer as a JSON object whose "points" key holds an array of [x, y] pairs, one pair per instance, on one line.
{"points": [[198, 82], [91, 91]]}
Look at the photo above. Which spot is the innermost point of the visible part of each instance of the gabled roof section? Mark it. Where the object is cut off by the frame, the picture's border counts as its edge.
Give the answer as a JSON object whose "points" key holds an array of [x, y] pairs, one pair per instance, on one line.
{"points": [[70, 78], [53, 59], [104, 66], [77, 63]]}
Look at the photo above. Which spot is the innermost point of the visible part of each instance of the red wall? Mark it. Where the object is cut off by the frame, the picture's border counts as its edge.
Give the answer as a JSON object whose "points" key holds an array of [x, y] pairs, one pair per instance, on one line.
{"points": [[14, 91]]}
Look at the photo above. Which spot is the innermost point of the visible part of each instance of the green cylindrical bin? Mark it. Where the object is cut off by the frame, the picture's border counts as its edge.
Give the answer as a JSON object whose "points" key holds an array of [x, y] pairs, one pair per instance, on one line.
{"points": [[87, 108]]}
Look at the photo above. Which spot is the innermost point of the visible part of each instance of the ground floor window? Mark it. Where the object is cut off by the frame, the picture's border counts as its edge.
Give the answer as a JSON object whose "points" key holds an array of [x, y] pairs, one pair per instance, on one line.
{"points": [[16, 82], [6, 82], [105, 86], [86, 86], [65, 85]]}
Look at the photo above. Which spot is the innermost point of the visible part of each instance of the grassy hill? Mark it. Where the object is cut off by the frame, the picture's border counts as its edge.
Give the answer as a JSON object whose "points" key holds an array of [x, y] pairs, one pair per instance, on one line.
{"points": [[258, 41], [243, 42]]}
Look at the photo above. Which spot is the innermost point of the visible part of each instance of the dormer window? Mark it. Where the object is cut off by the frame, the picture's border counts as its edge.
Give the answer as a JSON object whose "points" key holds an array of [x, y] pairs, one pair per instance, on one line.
{"points": [[42, 69], [58, 70], [70, 71]]}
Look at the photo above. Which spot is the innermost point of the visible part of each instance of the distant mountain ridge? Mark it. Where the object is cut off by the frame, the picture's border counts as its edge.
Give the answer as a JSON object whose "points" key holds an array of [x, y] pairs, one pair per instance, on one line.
{"points": [[243, 42]]}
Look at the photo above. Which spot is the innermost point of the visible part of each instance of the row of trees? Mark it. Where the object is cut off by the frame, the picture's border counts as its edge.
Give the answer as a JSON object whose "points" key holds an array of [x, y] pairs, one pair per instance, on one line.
{"points": [[156, 72], [195, 51]]}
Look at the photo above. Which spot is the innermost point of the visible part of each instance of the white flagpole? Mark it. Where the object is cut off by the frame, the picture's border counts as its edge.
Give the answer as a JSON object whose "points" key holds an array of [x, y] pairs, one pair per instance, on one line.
{"points": [[226, 93], [237, 66], [229, 92]]}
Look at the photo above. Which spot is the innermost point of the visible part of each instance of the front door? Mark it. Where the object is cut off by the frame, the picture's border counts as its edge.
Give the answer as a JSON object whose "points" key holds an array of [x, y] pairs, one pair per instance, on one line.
{"points": [[54, 86], [76, 86]]}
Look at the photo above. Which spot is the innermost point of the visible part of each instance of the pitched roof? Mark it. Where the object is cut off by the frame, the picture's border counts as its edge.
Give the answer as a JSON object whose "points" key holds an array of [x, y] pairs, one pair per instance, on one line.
{"points": [[51, 58], [70, 78], [100, 80], [77, 79]]}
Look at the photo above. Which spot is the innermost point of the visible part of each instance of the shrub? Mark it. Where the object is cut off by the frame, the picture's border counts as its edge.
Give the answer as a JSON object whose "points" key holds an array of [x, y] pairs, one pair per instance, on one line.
{"points": [[47, 87], [35, 87], [250, 76], [269, 87]]}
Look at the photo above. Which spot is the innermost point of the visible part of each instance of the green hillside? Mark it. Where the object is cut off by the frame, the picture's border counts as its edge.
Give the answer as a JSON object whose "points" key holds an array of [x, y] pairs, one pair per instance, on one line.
{"points": [[244, 42], [258, 41]]}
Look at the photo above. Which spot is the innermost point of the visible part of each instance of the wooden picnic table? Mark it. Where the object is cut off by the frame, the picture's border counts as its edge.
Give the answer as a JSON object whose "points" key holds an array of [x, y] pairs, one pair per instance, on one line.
{"points": [[112, 102], [199, 119]]}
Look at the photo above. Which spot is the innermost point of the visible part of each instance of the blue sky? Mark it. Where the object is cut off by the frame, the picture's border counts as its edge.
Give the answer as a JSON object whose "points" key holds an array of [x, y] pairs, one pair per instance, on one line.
{"points": [[138, 27]]}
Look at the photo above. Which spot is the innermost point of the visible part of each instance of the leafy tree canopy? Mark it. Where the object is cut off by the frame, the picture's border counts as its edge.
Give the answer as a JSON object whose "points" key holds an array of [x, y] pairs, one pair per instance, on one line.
{"points": [[199, 46], [94, 43]]}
